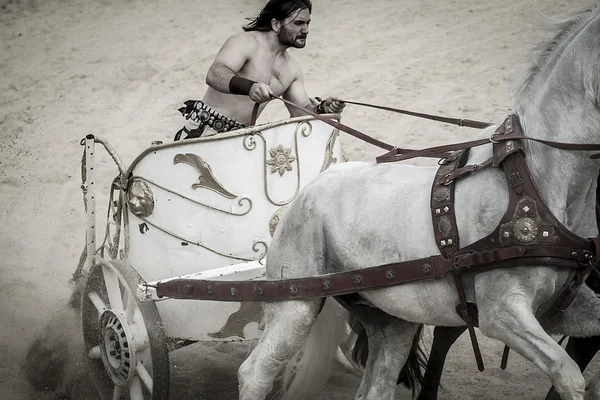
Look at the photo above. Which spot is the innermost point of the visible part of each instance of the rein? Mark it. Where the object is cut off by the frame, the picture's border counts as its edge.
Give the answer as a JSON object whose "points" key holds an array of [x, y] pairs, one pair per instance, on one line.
{"points": [[356, 133], [454, 121], [400, 154]]}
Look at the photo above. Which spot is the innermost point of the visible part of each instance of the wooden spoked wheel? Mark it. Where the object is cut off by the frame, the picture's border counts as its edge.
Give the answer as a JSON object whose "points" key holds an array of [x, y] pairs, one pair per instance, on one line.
{"points": [[124, 340]]}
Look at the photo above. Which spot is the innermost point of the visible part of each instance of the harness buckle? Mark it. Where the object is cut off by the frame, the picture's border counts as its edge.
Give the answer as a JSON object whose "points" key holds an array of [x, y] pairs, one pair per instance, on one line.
{"points": [[495, 141], [463, 261], [449, 179]]}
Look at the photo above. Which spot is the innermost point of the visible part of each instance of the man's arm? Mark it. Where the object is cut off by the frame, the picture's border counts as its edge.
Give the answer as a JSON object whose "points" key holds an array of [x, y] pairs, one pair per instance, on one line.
{"points": [[223, 73], [234, 53], [296, 93]]}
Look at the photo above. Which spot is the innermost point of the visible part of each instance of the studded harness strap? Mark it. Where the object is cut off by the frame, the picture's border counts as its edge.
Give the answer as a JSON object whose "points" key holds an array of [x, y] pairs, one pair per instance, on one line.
{"points": [[527, 227], [446, 233]]}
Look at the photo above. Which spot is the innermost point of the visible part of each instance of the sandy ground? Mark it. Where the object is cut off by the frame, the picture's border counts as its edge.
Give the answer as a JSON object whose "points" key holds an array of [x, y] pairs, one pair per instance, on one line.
{"points": [[120, 69]]}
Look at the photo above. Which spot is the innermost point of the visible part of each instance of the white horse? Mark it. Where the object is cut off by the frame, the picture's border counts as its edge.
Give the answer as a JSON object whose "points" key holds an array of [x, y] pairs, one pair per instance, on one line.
{"points": [[360, 215]]}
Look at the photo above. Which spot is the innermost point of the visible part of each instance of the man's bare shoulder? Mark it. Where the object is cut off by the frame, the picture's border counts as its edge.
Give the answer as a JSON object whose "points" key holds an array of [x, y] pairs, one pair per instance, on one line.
{"points": [[244, 40], [294, 66]]}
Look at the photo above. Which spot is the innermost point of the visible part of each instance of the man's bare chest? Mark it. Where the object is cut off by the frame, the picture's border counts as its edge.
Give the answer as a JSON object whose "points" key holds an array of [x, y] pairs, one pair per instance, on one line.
{"points": [[276, 74]]}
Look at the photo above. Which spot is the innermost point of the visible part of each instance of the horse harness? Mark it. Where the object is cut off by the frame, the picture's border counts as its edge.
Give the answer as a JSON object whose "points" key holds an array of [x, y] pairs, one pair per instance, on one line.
{"points": [[528, 234]]}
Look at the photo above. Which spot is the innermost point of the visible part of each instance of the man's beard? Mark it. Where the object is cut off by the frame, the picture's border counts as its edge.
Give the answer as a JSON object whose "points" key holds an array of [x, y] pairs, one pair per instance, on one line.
{"points": [[289, 39]]}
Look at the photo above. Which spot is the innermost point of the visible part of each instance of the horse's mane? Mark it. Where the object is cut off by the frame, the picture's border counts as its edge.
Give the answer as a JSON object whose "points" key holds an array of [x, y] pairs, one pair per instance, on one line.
{"points": [[557, 30]]}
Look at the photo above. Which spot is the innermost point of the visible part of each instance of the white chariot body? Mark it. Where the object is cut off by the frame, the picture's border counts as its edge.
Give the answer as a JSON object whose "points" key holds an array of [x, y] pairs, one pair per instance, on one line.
{"points": [[202, 209]]}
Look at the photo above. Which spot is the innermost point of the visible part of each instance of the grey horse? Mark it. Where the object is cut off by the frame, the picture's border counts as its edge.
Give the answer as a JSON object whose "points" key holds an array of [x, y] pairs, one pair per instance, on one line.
{"points": [[359, 215]]}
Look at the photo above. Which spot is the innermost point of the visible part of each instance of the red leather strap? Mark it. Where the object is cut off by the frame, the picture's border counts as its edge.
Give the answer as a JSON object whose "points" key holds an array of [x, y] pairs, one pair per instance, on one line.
{"points": [[464, 313], [254, 114], [434, 267], [454, 121], [343, 127]]}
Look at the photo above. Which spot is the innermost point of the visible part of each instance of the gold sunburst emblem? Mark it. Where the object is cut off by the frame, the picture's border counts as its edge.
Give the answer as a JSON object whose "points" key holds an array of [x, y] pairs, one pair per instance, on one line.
{"points": [[281, 159]]}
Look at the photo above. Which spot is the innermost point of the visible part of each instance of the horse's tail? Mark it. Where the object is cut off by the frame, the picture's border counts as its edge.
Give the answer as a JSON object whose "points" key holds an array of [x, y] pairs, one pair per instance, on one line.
{"points": [[411, 374], [309, 370]]}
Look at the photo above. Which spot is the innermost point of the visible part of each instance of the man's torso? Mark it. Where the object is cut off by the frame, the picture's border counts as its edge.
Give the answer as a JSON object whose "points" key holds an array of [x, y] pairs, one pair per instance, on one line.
{"points": [[264, 66]]}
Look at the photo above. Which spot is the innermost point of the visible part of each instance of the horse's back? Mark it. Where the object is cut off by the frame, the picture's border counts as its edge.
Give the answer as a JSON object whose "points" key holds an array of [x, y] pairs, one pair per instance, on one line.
{"points": [[354, 210]]}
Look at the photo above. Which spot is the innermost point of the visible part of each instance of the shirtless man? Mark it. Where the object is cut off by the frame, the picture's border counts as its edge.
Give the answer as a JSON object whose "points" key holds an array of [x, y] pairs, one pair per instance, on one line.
{"points": [[253, 67]]}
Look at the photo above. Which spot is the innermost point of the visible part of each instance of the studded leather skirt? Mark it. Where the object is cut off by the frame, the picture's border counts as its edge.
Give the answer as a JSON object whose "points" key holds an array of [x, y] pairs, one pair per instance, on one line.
{"points": [[196, 112]]}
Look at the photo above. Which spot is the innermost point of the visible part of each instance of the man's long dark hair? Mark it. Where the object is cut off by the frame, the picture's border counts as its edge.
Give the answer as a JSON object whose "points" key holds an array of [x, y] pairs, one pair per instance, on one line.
{"points": [[278, 9]]}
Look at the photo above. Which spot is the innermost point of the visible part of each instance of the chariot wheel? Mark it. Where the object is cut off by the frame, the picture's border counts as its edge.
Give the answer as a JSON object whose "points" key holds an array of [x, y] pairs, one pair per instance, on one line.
{"points": [[124, 341]]}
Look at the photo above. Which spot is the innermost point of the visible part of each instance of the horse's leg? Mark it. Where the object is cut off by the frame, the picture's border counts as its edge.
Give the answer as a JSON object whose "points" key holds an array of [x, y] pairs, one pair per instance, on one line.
{"points": [[443, 338], [512, 321], [581, 319], [582, 351], [390, 340], [287, 327], [592, 392], [410, 375]]}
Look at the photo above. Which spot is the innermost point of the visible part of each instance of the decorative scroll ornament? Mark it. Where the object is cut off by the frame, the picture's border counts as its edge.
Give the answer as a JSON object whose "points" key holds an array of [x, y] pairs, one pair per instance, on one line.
{"points": [[329, 158], [303, 129], [245, 203], [259, 246], [140, 199], [206, 179], [281, 159], [250, 142]]}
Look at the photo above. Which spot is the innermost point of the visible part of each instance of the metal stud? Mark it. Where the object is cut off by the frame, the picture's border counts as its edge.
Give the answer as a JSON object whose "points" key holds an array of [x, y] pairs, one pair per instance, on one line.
{"points": [[357, 280], [326, 285], [438, 211], [526, 209], [426, 268], [233, 291], [545, 233], [189, 289], [449, 241], [293, 290], [446, 209], [443, 243], [390, 275]]}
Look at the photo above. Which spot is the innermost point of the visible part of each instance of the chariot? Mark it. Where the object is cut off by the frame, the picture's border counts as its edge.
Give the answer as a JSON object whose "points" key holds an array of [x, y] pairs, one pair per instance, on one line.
{"points": [[204, 208]]}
